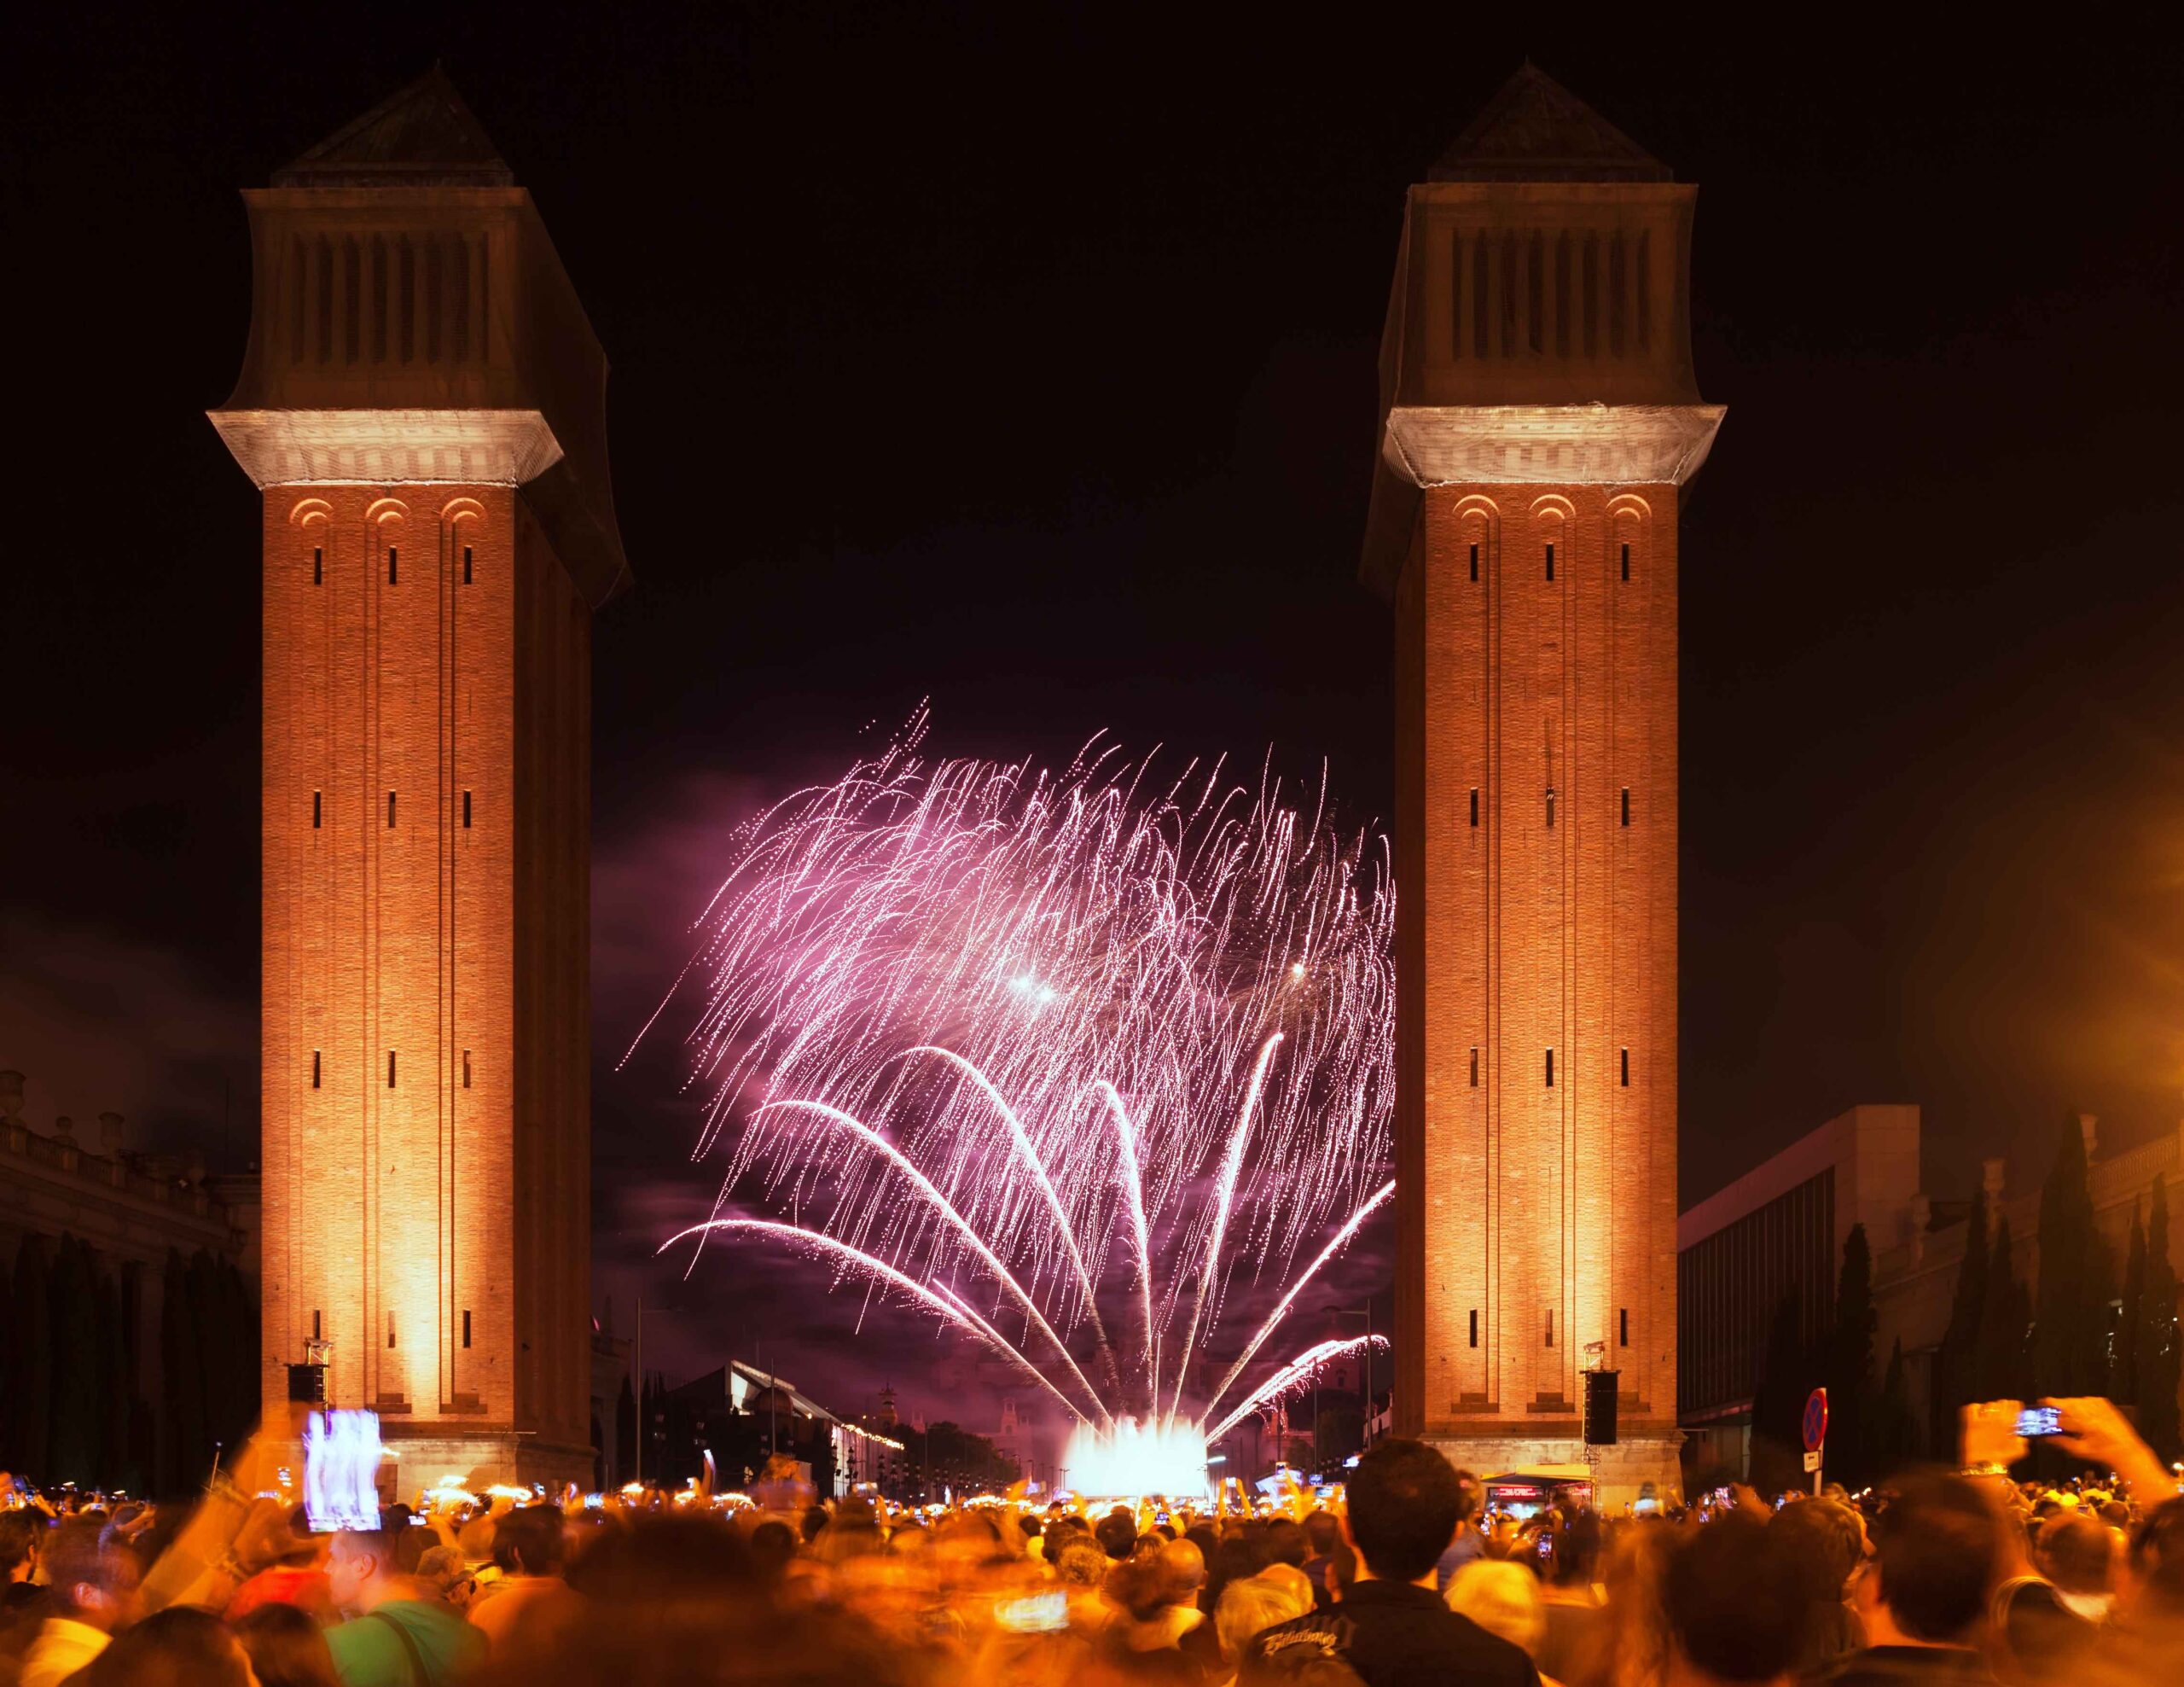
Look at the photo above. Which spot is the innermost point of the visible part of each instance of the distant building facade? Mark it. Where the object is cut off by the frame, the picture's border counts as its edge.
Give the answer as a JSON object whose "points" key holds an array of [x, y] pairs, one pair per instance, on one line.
{"points": [[131, 1211], [1779, 1229], [742, 1415]]}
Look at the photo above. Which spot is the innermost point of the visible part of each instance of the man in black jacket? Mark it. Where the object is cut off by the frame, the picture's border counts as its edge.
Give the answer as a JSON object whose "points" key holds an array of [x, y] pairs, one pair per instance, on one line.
{"points": [[1923, 1596], [1393, 1628]]}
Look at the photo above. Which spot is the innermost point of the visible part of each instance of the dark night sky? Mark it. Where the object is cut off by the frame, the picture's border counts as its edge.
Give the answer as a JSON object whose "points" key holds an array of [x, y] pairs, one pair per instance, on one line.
{"points": [[1023, 359]]}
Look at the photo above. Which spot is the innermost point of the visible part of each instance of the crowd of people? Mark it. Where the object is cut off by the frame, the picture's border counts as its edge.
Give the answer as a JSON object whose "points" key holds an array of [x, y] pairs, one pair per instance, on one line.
{"points": [[1403, 1579]]}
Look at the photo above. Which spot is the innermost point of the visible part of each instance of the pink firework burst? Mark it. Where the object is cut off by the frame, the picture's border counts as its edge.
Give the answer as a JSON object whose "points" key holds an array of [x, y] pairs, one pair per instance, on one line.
{"points": [[1058, 1058]]}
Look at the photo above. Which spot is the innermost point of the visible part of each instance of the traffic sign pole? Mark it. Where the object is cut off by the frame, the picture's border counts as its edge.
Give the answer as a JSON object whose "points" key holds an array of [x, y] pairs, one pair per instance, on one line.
{"points": [[1814, 1426]]}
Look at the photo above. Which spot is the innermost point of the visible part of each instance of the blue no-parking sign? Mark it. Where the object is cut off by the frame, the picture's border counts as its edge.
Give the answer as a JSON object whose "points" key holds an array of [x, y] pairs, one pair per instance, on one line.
{"points": [[1815, 1424]]}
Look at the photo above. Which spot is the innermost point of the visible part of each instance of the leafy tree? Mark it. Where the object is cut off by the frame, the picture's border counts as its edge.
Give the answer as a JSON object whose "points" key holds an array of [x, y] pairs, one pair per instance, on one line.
{"points": [[1849, 1368], [2158, 1357], [1998, 1367], [947, 1456], [1335, 1435], [2070, 1303], [30, 1369], [1956, 1368]]}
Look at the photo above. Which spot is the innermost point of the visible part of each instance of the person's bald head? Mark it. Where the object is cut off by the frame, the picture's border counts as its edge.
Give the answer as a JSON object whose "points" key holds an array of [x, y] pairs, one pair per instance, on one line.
{"points": [[1183, 1570], [2079, 1552]]}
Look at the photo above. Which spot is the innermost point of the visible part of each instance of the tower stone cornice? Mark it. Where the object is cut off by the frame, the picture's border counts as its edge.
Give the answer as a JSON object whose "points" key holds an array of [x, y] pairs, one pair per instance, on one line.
{"points": [[397, 269]]}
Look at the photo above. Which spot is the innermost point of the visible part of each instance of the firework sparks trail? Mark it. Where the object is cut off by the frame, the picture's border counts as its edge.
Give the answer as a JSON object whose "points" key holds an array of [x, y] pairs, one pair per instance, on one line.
{"points": [[849, 1259], [922, 985], [1294, 1375]]}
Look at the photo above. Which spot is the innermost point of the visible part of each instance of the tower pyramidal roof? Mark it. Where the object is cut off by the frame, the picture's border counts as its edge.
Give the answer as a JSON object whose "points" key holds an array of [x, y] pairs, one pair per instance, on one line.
{"points": [[1534, 130], [421, 136]]}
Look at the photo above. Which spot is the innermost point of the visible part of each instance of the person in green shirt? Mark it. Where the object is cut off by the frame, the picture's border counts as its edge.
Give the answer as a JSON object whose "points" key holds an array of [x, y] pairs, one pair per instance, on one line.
{"points": [[402, 1634]]}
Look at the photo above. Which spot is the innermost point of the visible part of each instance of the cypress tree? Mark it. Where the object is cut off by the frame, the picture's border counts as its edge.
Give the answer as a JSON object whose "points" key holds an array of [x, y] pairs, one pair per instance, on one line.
{"points": [[2123, 1347], [222, 1362], [31, 1367], [1998, 1370], [227, 1392], [1892, 1437], [112, 1385], [188, 1452], [1957, 1364], [1849, 1370], [2068, 1309], [71, 1451], [625, 1431], [140, 1471], [1778, 1401], [249, 1382], [2158, 1357]]}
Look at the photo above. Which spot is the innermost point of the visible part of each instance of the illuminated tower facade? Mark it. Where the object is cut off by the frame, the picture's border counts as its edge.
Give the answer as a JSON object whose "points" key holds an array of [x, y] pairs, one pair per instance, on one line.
{"points": [[422, 403], [1540, 419]]}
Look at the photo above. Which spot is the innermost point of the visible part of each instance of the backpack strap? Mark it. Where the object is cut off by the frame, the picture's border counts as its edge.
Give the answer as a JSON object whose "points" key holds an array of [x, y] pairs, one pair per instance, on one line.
{"points": [[418, 1673]]}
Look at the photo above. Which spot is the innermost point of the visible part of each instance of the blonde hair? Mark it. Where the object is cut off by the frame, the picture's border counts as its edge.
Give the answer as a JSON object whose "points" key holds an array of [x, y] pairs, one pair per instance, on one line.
{"points": [[1502, 1598], [1249, 1605]]}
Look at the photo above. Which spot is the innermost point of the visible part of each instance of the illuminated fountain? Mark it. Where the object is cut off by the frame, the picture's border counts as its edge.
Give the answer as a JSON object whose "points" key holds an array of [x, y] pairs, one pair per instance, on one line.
{"points": [[1051, 1056]]}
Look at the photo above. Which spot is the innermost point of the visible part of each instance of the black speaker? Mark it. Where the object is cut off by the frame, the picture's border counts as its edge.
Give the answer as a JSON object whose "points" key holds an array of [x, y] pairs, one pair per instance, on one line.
{"points": [[1599, 1407], [307, 1385]]}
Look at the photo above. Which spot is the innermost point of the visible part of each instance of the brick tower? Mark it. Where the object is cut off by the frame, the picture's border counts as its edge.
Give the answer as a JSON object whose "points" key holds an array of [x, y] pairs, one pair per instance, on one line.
{"points": [[422, 403], [1539, 421]]}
